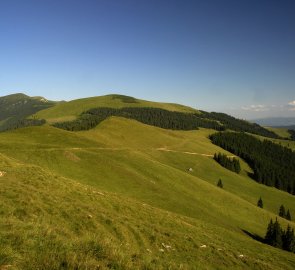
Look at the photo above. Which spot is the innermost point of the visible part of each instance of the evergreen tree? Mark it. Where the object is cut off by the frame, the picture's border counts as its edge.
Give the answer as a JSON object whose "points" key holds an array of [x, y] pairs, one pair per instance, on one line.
{"points": [[260, 203], [232, 164], [220, 184], [269, 233], [282, 211], [288, 215], [277, 235], [289, 239], [279, 238]]}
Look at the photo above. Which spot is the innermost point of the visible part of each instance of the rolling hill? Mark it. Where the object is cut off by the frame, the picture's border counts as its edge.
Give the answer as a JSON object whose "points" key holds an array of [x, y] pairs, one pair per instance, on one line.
{"points": [[71, 110], [127, 195], [17, 107]]}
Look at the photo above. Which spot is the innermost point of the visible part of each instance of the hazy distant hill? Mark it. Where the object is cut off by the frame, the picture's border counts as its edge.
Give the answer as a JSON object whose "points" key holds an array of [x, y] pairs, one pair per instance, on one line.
{"points": [[16, 107], [275, 121]]}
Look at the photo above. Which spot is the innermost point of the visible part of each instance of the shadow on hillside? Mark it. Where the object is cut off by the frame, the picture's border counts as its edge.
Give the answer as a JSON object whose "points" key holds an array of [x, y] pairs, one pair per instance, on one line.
{"points": [[254, 236]]}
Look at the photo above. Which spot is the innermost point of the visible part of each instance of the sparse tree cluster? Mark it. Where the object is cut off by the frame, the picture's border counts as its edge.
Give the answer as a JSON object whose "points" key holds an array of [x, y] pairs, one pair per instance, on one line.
{"points": [[277, 237], [232, 164], [283, 213], [272, 164]]}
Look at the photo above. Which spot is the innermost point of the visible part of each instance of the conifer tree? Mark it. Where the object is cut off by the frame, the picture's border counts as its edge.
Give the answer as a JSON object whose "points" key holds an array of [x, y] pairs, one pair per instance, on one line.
{"points": [[220, 184], [282, 211], [279, 238], [277, 235], [288, 215], [269, 233], [260, 203], [289, 239]]}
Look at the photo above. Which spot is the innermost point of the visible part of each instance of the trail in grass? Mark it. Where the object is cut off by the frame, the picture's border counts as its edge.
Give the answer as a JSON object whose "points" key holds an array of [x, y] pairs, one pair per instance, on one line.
{"points": [[185, 152], [188, 153]]}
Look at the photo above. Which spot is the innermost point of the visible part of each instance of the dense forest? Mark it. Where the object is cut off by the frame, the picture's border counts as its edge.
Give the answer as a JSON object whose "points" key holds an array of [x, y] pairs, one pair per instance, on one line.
{"points": [[150, 116], [283, 213], [235, 124], [272, 164], [232, 164], [164, 119], [20, 123]]}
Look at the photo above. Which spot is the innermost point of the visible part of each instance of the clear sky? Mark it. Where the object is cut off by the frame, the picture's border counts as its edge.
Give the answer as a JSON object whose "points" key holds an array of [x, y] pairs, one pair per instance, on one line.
{"points": [[235, 56]]}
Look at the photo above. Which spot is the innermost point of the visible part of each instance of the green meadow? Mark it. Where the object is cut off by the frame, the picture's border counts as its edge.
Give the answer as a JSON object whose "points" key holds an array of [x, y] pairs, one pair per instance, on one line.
{"points": [[66, 111], [125, 195]]}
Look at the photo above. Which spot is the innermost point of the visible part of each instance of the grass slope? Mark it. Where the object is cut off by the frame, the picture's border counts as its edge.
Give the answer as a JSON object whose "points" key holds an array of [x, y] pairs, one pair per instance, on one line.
{"points": [[55, 179], [282, 132], [52, 222], [67, 111]]}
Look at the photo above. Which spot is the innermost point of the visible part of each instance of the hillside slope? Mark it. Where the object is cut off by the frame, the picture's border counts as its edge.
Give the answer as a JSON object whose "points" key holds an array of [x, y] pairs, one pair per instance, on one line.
{"points": [[146, 165], [16, 107], [71, 110], [94, 229]]}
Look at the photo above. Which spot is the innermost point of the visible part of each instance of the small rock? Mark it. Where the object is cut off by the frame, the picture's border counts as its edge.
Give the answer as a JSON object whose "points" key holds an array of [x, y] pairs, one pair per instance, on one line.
{"points": [[161, 250], [241, 256], [166, 246], [203, 246], [90, 216]]}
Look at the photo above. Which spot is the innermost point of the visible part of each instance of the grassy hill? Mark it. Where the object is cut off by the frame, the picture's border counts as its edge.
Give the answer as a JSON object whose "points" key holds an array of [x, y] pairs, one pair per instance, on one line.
{"points": [[154, 213], [94, 229], [67, 111], [16, 107]]}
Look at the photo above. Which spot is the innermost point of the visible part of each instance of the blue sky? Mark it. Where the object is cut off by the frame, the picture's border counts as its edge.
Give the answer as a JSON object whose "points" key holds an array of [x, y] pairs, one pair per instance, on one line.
{"points": [[217, 55]]}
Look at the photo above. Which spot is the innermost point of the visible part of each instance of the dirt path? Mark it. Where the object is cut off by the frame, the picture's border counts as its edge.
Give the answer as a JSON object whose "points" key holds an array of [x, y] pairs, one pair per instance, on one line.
{"points": [[189, 153]]}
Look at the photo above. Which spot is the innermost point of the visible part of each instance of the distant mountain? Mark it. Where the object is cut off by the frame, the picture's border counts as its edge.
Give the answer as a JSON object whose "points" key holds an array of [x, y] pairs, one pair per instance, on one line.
{"points": [[275, 121], [17, 107], [20, 110]]}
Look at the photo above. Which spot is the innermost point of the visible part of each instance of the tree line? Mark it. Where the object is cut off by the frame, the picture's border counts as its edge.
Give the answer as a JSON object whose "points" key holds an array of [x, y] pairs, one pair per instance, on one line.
{"points": [[283, 213], [21, 123], [165, 119], [272, 164], [232, 164], [230, 122], [150, 116]]}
